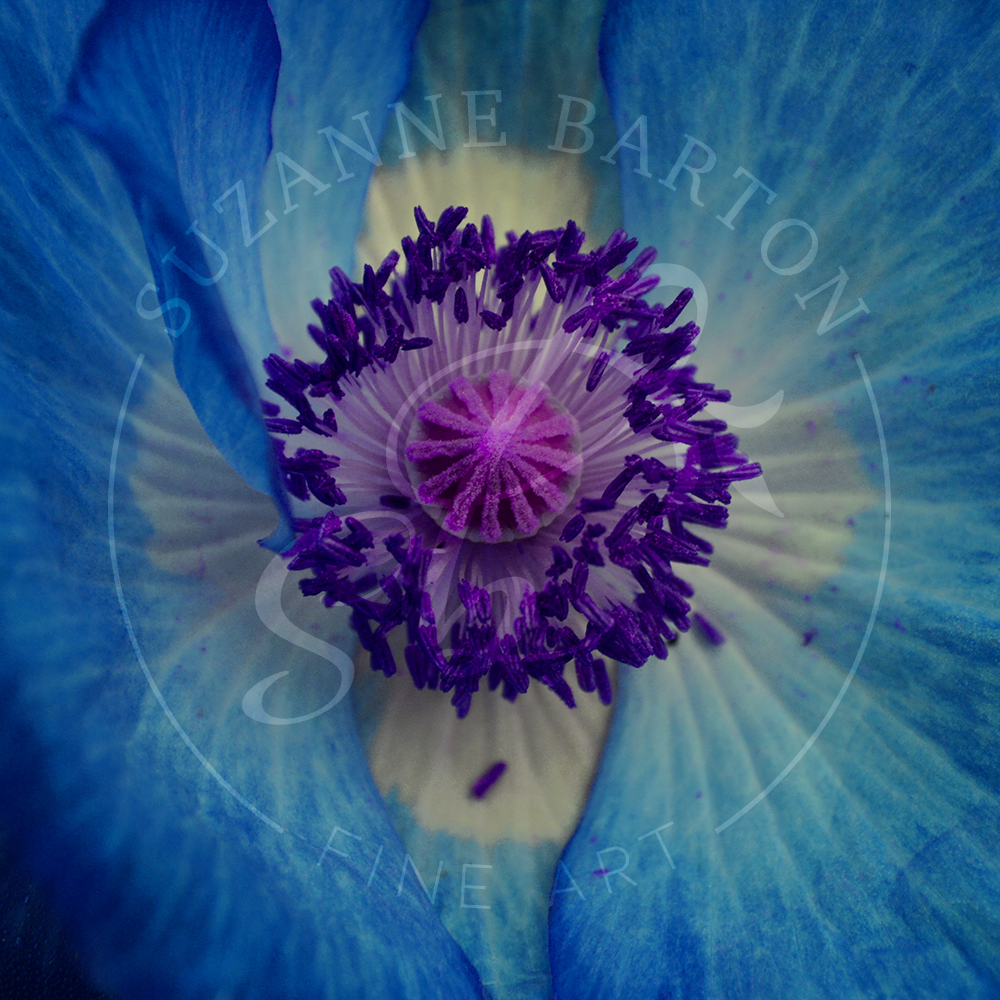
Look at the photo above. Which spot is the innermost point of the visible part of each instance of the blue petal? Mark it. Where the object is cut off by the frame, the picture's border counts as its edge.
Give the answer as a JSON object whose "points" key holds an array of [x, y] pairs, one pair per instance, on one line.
{"points": [[864, 125], [493, 900], [171, 885], [193, 850], [871, 868], [339, 61], [180, 99]]}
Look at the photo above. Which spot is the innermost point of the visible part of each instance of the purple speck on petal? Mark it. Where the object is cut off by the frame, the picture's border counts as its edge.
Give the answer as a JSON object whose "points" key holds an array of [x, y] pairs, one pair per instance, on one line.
{"points": [[721, 296], [748, 276], [487, 780], [898, 624], [850, 522], [600, 872], [807, 637], [697, 795], [807, 597], [714, 636]]}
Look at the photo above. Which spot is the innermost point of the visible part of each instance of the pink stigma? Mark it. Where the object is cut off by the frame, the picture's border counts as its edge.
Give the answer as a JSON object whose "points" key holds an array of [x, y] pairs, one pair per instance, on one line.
{"points": [[495, 460]]}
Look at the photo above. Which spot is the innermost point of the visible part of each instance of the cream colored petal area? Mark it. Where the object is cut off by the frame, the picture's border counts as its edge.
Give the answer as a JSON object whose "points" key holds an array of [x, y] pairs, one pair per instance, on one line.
{"points": [[431, 758], [517, 189], [206, 524], [206, 519], [814, 473]]}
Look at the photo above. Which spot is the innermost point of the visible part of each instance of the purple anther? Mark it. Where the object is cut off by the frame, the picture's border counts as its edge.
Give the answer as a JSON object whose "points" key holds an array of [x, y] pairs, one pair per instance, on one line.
{"points": [[487, 780], [714, 636]]}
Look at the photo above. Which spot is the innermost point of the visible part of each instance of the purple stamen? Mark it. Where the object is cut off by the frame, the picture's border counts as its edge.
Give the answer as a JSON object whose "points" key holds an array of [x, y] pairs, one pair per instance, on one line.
{"points": [[487, 780], [514, 453]]}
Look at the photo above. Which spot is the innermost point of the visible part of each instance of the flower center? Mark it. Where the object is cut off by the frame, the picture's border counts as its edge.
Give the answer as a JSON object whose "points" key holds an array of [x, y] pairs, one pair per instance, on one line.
{"points": [[591, 568], [493, 459]]}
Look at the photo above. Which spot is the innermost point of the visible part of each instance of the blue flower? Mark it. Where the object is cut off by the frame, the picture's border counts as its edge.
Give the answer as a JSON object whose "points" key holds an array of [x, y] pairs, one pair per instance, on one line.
{"points": [[799, 801]]}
